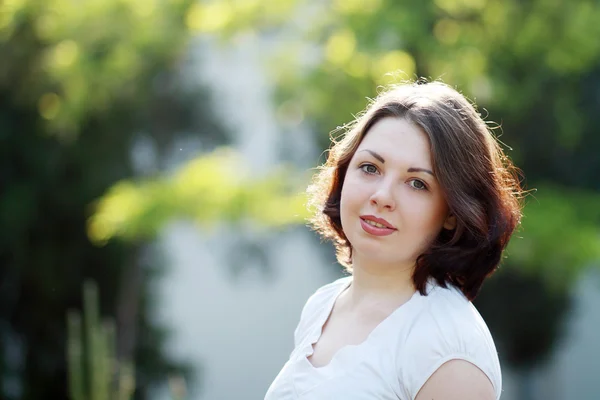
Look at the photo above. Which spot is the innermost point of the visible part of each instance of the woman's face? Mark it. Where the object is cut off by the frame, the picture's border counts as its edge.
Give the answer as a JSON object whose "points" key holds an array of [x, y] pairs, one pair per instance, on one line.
{"points": [[392, 206]]}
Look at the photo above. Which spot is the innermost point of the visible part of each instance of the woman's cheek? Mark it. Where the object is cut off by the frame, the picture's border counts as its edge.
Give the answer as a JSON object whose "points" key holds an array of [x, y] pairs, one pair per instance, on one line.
{"points": [[353, 186]]}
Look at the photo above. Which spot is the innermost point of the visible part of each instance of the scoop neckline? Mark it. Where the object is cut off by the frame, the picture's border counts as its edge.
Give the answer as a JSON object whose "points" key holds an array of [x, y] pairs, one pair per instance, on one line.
{"points": [[318, 330]]}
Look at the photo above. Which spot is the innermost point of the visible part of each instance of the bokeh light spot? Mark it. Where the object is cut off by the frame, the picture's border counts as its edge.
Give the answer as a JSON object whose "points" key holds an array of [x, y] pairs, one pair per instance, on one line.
{"points": [[65, 53], [49, 105], [455, 7], [340, 47], [209, 18], [392, 62], [356, 6], [446, 31], [358, 67]]}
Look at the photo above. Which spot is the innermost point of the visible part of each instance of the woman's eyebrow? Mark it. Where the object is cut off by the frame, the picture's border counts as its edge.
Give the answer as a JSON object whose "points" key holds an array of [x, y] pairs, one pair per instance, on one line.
{"points": [[377, 156], [421, 170], [381, 160]]}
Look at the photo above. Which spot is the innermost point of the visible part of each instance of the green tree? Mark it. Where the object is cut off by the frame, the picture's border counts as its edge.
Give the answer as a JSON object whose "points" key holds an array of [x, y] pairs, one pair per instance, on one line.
{"points": [[78, 82], [79, 85]]}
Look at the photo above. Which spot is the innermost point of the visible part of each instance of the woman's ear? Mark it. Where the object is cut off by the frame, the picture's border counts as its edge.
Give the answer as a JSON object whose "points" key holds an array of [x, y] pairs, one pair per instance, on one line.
{"points": [[450, 222]]}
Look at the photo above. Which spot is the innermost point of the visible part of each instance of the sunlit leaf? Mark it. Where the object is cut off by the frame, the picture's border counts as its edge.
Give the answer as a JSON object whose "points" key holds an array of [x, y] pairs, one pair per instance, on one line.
{"points": [[207, 190]]}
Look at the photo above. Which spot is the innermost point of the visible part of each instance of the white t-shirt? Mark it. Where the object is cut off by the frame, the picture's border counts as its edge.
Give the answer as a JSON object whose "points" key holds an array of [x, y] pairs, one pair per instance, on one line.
{"points": [[397, 357]]}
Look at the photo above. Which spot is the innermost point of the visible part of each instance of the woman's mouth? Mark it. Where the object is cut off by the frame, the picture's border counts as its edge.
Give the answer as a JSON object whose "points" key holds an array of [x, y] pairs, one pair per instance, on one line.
{"points": [[376, 226]]}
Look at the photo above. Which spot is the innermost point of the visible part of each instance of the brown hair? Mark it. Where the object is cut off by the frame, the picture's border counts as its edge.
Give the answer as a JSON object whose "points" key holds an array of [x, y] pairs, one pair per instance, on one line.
{"points": [[479, 182]]}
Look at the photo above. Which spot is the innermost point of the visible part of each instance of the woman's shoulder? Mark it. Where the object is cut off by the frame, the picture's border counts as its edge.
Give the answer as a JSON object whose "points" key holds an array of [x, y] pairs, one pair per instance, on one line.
{"points": [[448, 313], [447, 327]]}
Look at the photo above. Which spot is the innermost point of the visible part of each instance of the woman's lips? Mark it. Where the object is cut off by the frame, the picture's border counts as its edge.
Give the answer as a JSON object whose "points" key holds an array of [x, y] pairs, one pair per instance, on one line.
{"points": [[384, 229]]}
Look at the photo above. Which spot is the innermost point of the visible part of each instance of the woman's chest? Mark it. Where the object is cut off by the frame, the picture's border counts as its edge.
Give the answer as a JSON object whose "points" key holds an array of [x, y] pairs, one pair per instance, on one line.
{"points": [[337, 333], [355, 373]]}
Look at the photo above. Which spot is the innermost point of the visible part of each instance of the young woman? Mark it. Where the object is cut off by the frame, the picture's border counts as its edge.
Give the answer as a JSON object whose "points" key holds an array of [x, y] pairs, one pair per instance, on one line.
{"points": [[420, 202]]}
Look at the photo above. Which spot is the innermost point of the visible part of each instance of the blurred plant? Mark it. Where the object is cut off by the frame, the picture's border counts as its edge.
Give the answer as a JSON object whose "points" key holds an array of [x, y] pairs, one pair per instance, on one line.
{"points": [[81, 68], [521, 59], [559, 236], [177, 387], [210, 189], [80, 82], [94, 371]]}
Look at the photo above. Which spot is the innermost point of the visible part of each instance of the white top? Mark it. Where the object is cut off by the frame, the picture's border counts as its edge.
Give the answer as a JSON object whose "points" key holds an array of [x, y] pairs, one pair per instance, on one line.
{"points": [[397, 357]]}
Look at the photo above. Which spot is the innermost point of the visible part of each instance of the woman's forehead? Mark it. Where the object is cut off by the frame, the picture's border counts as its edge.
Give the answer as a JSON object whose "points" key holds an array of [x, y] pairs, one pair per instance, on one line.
{"points": [[397, 140]]}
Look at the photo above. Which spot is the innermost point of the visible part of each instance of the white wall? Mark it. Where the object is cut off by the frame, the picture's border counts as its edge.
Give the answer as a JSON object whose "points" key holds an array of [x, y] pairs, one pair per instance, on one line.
{"points": [[239, 330]]}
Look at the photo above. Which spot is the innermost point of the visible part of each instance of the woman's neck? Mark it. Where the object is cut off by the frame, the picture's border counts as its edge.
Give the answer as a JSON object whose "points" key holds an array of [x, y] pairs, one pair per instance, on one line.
{"points": [[380, 285]]}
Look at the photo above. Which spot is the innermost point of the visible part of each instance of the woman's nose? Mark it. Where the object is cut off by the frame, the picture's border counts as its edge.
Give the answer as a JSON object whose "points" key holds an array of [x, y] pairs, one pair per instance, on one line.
{"points": [[383, 198]]}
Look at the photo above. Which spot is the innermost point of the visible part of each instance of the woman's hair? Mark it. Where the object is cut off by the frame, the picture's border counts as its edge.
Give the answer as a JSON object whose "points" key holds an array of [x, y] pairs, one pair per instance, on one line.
{"points": [[479, 182]]}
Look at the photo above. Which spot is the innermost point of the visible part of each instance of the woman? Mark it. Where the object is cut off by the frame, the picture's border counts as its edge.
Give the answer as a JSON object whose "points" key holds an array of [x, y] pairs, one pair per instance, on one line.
{"points": [[420, 202]]}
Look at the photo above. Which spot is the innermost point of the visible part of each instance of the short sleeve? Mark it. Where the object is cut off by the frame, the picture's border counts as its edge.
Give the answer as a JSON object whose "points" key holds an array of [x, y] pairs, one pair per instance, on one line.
{"points": [[449, 328]]}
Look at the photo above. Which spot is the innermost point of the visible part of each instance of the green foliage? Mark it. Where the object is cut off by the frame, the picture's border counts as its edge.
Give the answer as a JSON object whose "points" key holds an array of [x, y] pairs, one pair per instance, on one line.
{"points": [[77, 81], [231, 16], [94, 371], [559, 236], [84, 58], [533, 64], [209, 189]]}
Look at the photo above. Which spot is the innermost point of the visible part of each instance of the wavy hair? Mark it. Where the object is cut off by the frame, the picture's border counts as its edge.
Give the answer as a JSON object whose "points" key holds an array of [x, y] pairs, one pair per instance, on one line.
{"points": [[480, 184]]}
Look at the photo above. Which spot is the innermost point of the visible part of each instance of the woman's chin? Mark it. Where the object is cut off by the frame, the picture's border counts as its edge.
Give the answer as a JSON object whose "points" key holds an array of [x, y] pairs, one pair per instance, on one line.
{"points": [[376, 256]]}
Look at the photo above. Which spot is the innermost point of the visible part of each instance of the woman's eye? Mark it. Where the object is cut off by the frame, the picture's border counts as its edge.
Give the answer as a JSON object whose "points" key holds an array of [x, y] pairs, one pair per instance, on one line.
{"points": [[417, 184], [369, 168]]}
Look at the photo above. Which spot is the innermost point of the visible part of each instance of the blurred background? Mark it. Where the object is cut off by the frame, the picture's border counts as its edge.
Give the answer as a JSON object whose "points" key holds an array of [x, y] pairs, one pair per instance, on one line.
{"points": [[153, 156]]}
